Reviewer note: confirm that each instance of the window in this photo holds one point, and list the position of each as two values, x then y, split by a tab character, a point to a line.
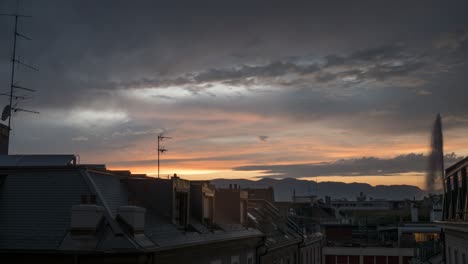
234	259
88	199
353	259
455	256
330	259
463	258
180	212
393	260
449	255
216	261
380	259
317	254
342	260
250	258
369	260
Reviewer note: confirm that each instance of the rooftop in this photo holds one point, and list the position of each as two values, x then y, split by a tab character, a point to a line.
37	193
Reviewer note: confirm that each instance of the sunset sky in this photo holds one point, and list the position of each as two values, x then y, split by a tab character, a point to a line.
339	90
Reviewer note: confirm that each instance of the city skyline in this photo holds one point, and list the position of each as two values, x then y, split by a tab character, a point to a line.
245	90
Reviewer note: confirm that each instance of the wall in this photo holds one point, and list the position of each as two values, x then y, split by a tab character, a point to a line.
155	194
456	246
227	206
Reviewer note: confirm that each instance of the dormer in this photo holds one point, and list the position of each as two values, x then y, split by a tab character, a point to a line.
202	202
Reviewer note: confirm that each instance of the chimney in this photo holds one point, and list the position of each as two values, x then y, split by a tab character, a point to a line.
85	218
134	217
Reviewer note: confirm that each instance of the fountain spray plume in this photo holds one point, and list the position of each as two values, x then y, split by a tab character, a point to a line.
434	177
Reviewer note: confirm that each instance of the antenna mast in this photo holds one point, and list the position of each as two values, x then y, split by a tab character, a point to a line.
161	149
13	97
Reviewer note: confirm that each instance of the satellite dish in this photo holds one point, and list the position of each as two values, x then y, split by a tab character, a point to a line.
6	112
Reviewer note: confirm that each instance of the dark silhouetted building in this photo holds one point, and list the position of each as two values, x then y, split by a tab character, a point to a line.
53	210
266	194
285	242
455	212
231	205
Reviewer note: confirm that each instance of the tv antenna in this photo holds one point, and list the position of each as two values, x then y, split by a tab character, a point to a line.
14	97
161	149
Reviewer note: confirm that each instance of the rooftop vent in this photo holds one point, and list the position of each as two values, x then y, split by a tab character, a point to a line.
134	217
85	218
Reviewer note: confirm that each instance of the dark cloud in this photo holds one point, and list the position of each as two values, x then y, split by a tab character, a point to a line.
351	66
366	166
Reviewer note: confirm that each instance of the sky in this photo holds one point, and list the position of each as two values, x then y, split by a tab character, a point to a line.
328	90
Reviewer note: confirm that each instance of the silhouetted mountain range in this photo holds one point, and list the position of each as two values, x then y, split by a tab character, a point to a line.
284	189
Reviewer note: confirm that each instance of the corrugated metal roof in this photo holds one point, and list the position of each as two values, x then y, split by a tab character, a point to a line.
114	192
275	228
35	208
35	212
166	235
36	160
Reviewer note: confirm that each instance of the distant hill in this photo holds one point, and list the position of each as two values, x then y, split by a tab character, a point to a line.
284	189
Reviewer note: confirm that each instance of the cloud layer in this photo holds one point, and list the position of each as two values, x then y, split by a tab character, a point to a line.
365	166
243	84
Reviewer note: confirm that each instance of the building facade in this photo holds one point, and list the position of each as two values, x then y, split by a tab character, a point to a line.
455	213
